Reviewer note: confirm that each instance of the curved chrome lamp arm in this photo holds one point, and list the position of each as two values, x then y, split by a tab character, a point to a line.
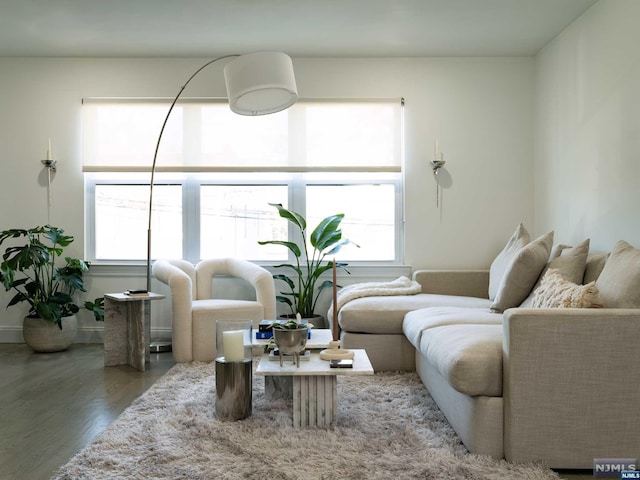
257	83
155	159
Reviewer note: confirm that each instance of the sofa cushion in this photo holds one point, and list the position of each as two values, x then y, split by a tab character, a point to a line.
619	282
468	356
570	263
499	266
384	315
556	292
420	320
522	273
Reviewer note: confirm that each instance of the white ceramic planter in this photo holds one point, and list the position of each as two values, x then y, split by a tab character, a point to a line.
43	336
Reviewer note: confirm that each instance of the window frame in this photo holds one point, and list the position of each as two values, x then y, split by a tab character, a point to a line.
191	182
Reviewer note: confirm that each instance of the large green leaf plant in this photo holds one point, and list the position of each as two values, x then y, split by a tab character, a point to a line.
303	283
34	271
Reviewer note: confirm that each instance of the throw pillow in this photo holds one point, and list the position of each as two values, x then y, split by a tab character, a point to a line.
594	266
619	282
499	266
556	292
569	261
522	273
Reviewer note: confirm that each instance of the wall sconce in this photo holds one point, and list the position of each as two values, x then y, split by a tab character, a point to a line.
437	163
50	165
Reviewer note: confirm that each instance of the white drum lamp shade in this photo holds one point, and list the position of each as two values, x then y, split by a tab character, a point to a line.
260	83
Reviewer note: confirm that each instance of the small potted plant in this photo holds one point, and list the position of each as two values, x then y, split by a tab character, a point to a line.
290	337
303	278
33	270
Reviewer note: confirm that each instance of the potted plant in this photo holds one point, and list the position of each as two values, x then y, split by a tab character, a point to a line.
34	271
303	279
289	337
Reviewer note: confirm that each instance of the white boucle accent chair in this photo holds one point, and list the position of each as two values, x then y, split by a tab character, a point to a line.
194	309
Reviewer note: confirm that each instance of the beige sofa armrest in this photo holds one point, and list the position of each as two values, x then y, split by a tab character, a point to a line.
468	283
571	385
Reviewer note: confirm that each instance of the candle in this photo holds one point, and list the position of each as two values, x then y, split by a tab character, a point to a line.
49	150
335	304
233	345
437	148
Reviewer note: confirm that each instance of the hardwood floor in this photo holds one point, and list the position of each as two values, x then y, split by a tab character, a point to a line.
52	405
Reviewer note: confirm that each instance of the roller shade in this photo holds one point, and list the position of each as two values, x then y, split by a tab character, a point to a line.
203	135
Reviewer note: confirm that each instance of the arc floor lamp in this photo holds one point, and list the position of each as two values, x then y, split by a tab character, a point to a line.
257	83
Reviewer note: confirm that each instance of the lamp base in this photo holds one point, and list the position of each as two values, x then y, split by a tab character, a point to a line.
335	352
160	346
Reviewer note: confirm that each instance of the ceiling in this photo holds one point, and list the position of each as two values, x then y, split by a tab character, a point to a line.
301	28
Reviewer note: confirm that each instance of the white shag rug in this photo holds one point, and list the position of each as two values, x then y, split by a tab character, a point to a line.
388	428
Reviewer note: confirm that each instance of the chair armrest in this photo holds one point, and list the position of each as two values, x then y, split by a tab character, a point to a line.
570	379
468	283
181	296
259	278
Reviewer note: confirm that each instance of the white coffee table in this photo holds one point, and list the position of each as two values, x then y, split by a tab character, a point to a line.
315	400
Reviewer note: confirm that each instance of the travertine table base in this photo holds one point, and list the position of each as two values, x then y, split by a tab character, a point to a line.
314	386
127	329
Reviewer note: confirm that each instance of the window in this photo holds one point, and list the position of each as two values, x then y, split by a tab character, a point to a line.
217	172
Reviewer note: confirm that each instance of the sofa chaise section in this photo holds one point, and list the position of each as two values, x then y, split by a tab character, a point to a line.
376	323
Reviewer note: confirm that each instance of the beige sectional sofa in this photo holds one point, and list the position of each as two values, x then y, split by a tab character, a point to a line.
558	385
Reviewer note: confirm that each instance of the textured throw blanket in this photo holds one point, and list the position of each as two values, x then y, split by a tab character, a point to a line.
400	286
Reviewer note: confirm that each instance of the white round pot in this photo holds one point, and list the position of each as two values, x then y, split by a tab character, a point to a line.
44	336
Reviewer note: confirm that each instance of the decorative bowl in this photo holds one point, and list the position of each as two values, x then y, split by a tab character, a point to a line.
290	341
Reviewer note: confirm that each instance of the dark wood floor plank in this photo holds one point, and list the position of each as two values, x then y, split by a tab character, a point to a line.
52	405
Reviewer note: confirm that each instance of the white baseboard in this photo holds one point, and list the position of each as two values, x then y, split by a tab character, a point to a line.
11	335
85	334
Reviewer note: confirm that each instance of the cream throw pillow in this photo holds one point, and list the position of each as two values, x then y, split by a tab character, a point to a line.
595	265
556	292
499	266
569	261
522	273
619	282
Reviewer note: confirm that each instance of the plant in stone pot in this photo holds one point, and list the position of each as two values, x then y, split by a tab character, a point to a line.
303	278
33	267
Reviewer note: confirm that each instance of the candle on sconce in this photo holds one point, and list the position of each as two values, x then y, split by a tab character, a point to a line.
49	150
335	304
233	345
437	148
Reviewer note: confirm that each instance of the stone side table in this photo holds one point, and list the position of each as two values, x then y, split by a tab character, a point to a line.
127	329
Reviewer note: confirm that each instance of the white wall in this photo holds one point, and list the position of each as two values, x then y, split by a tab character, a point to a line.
587	147
480	109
